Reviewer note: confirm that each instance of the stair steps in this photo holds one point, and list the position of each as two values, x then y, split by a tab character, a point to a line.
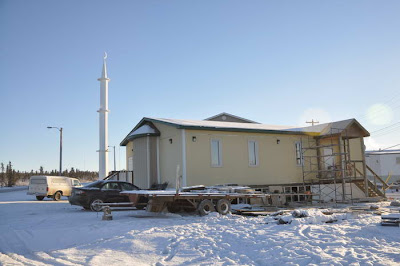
372	190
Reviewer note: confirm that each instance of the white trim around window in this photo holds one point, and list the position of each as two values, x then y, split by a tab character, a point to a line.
252	147
216	152
298	153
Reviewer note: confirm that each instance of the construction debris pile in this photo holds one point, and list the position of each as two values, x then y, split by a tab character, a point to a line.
389	212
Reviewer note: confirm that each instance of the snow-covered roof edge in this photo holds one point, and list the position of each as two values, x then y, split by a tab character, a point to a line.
141	130
318	130
382	152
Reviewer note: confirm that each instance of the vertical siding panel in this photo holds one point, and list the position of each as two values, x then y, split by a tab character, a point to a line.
140	162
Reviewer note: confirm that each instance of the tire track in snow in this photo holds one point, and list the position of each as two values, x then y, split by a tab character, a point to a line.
304	231
46	257
12	240
22	260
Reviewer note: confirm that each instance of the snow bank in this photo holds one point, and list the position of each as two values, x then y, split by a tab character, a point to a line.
55	233
308	216
10	189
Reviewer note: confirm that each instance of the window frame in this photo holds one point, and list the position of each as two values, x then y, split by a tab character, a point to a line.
219	152
128	184
301	158
256	153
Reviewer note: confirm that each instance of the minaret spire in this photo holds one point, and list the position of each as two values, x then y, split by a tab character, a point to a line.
103	121
104	71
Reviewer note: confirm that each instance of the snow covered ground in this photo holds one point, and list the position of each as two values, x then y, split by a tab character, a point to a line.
56	233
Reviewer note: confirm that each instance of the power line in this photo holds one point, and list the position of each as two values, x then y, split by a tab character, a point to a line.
363	116
385	127
387	132
390	147
376	113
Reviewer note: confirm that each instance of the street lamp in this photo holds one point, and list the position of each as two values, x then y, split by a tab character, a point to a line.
61	130
114	157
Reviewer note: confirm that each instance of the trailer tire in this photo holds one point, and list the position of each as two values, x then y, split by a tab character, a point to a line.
205	207
39	197
57	196
223	206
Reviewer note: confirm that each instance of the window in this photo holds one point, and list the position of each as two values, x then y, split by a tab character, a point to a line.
126	186
95	184
216	151
299	156
38	181
58	181
111	185
397	160
253	153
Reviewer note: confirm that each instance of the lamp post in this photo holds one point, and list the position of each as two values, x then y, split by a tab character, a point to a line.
61	130
114	157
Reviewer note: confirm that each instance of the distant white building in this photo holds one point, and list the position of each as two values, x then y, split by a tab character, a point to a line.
384	163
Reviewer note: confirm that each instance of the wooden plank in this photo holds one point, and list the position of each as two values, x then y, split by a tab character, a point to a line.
377	176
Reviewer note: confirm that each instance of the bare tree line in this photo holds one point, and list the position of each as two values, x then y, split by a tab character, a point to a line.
9	176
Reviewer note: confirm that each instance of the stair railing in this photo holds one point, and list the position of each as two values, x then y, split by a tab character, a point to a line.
372	185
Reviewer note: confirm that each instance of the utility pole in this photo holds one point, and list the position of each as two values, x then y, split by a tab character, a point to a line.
61	130
312	122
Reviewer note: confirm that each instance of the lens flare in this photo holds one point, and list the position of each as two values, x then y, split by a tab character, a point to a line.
379	114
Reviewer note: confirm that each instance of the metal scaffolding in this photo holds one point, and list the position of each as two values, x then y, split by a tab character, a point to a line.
326	166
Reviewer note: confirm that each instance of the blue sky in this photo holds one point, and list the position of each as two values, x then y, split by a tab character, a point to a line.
275	62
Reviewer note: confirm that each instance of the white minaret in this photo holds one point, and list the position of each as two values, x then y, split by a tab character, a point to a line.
103	122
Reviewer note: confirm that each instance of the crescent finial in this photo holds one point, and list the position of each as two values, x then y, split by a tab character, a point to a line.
105	56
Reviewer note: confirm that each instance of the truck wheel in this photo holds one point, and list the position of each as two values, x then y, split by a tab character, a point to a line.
57	196
223	206
39	197
205	207
94	207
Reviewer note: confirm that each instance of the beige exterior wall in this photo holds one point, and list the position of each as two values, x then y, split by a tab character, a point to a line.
356	154
355	149
277	162
170	154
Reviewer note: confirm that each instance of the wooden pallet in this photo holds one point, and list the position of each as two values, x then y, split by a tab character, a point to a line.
392	219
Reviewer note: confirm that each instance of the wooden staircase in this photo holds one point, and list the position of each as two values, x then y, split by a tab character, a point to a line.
373	191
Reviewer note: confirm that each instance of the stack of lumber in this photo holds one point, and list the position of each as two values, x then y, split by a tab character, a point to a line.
392	219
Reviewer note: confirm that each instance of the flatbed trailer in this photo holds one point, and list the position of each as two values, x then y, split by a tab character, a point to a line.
200	201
